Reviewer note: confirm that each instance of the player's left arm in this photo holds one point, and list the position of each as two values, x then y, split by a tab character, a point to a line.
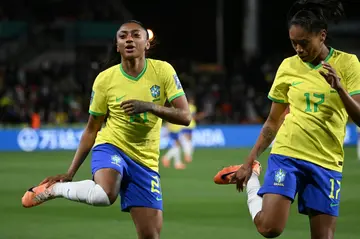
351	95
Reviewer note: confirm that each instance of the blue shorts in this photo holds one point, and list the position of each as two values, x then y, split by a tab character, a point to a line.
187	131
174	136
318	187
140	186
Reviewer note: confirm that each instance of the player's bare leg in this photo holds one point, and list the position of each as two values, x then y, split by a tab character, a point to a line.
188	148
270	212
322	226
110	180
103	191
174	152
271	220
148	222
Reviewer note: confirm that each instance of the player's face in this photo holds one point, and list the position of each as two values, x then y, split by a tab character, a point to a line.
131	40
307	45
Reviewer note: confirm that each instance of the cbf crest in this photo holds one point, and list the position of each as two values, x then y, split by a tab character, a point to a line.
155	92
279	177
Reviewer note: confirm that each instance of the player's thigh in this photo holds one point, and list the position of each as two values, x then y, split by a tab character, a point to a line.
108	167
148	222
322	226
188	135
274	214
281	183
110	180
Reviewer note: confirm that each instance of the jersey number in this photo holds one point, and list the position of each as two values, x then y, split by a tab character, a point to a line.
155	185
334	194
137	118
321	98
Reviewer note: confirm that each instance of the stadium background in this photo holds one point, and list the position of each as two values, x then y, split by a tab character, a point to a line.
226	54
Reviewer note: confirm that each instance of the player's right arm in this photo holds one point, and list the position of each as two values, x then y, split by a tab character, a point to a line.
86	143
268	131
97	110
278	94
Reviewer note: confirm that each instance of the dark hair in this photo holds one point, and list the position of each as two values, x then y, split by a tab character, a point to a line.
114	57
314	15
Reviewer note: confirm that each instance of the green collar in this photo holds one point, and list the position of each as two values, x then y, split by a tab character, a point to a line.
326	60
131	77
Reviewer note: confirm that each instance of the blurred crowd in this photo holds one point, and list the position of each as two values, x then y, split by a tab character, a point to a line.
56	92
59	93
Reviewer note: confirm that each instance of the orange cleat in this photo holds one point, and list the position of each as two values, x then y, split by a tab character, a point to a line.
224	175
36	195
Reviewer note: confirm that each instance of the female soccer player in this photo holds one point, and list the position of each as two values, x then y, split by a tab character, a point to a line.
322	87
174	151
187	131
125	153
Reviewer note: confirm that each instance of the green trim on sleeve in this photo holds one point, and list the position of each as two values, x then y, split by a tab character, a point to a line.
176	96
95	114
276	100
356	92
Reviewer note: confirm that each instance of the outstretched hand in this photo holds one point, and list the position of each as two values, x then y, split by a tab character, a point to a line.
242	176
55	179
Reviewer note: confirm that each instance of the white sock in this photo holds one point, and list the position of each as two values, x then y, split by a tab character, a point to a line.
177	156
254	201
170	153
188	147
83	191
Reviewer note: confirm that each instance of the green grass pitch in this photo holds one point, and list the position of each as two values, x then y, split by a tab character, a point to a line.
194	207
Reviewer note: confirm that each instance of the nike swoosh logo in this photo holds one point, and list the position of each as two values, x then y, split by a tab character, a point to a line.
225	175
334	204
296	83
158	199
119	98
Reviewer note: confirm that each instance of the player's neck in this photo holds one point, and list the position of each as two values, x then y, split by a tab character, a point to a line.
133	67
322	56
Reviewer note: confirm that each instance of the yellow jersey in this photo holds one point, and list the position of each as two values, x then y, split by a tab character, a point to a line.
314	129
174	128
193	111
137	136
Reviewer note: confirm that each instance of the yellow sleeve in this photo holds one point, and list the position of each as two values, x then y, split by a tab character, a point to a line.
352	76
173	88
279	88
98	102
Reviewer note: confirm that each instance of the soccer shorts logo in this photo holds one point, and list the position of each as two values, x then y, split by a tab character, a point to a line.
279	177
115	159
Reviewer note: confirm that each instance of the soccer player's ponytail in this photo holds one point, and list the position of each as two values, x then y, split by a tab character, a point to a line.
314	15
113	58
